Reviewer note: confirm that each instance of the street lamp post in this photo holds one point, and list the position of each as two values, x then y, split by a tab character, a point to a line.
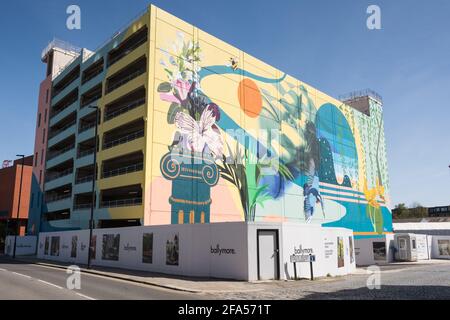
91	221
18	205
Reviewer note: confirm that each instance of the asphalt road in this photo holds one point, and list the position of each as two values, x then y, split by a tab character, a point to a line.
20	280
30	281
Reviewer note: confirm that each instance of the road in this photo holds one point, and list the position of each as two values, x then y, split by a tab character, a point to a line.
31	281
20	280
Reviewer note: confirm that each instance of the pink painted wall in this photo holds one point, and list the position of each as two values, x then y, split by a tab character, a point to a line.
40	143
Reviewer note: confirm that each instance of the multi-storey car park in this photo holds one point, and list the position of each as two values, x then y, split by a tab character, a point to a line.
162	85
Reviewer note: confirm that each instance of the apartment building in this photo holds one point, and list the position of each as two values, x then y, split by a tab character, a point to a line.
15	185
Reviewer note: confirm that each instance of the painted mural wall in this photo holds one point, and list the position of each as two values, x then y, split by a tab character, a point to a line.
230	138
235	139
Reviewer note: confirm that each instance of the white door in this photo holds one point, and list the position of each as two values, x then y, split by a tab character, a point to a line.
402	249
268	254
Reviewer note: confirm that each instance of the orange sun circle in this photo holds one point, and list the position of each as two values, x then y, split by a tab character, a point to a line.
250	98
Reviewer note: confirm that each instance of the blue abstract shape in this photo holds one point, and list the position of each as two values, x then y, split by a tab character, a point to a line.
221	69
337	146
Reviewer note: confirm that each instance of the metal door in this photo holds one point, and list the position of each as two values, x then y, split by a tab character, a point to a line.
268	254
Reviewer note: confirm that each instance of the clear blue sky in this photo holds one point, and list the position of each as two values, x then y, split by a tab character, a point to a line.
322	42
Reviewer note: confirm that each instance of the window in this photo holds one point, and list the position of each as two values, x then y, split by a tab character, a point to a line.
45	116
413	244
46	97
35	159
43	136
39	120
42	156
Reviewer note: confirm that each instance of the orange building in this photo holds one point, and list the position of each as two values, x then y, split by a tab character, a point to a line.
9	196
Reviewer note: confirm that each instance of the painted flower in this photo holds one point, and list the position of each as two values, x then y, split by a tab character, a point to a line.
371	196
215	110
180	93
200	135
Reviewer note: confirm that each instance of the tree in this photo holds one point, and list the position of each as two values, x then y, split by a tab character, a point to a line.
400	211
416	210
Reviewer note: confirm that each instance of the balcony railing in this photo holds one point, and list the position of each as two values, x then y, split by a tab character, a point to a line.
90	100
57	197
59	152
122	110
92	75
66	172
128	51
68	83
84	179
54	133
86	127
121	203
54	112
82	206
85	153
123	170
125	139
124	80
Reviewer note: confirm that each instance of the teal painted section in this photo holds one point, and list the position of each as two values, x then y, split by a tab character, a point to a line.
68	69
220	69
59	182
62	135
35	209
72	86
55	119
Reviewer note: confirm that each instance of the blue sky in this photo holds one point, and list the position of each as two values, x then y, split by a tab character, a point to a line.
322	42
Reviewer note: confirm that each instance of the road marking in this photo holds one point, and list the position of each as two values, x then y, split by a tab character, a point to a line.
50	284
106	277
22	275
84	296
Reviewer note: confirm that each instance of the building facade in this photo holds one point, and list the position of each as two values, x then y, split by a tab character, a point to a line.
443	211
194	130
13	218
56	56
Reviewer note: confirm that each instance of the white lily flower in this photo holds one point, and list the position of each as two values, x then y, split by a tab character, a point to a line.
200	135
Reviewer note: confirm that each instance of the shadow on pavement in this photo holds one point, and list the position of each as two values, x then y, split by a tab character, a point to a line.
386	293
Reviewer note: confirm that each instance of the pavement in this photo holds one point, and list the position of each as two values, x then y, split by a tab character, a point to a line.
427	280
422	280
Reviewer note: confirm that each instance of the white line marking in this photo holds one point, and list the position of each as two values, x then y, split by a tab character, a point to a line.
84	296
22	275
50	284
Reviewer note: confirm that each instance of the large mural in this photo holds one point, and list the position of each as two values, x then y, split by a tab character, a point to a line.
246	142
